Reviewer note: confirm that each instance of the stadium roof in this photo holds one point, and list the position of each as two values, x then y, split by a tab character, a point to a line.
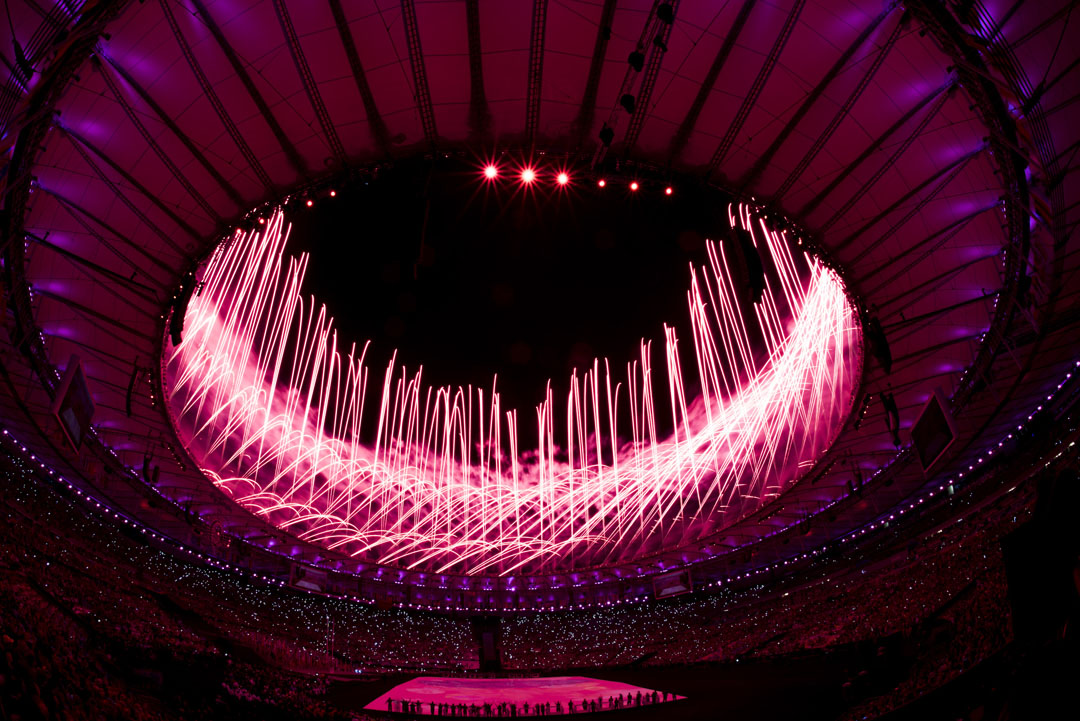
927	146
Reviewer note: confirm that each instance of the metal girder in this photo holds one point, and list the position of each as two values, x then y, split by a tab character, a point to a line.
183	137
834	124
311	87
949	171
80	214
682	135
864	188
942	236
375	120
249	85
587	110
15	89
755	90
164	157
78	142
1012	165
536	71
479	114
419	72
1038	29
849	168
812	97
652	69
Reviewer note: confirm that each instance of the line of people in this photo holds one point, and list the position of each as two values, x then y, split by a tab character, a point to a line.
545	708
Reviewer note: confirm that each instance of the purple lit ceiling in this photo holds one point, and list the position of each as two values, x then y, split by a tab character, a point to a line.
929	147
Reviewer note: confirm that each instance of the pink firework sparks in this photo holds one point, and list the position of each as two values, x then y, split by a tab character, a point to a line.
273	410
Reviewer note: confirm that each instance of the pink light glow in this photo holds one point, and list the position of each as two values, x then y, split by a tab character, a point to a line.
562	178
601	182
634	185
273	411
491	172
428	689
528	175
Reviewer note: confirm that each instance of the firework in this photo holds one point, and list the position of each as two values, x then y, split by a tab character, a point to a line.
392	470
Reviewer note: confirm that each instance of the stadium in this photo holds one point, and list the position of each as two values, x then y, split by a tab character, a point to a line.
370	359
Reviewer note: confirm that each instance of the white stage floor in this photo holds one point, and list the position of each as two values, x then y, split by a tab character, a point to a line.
556	689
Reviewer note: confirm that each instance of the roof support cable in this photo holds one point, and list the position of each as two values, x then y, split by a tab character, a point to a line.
184	138
938	238
812	97
949	172
311	87
164	157
536	72
118	281
898	153
375	120
752	95
871	149
845	109
587	109
420	82
212	96
682	135
80	143
932	283
87	311
80	215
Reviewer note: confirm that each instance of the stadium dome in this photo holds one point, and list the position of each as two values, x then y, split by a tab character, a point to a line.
758	281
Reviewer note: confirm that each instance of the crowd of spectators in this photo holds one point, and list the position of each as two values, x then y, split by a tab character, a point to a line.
60	664
90	614
86	633
857	602
294	694
48	671
81	559
978	627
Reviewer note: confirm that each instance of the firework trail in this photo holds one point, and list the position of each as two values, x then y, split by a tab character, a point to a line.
273	410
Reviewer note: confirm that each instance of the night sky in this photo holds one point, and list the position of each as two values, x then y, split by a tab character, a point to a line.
529	284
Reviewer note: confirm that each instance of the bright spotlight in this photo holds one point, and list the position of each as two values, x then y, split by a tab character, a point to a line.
668	190
563	178
333	193
634	185
528	175
491	172
310	203
602	182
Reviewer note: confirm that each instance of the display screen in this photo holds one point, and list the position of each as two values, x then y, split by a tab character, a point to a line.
672	584
933	432
73	406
